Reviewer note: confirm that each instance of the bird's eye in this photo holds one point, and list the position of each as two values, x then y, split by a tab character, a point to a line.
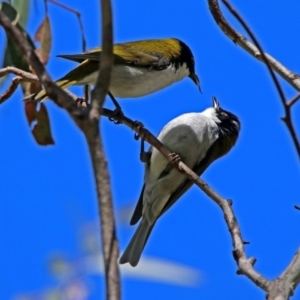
223	114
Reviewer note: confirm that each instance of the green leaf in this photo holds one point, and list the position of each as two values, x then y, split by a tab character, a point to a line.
22	6
12	55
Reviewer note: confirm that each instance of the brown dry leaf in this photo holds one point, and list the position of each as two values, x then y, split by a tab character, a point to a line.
41	130
43	35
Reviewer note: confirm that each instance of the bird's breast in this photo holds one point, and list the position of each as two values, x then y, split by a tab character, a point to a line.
131	82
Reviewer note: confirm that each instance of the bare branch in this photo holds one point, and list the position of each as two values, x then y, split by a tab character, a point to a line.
93	137
283	287
11	89
22	77
293	100
257	51
77	13
261	51
53	91
245	265
87	120
244	43
106	62
28	77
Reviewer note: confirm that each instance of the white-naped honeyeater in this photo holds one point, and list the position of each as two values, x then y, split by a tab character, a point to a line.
199	139
140	68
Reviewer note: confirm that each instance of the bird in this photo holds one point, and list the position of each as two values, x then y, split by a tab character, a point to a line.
199	138
140	67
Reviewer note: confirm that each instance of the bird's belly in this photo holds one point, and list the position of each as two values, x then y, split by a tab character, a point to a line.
131	82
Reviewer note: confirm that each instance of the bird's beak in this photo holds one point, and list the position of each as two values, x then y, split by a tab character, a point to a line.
195	78
216	103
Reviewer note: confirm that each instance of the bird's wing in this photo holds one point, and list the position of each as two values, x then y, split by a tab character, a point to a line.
86	67
138	211
124	55
211	155
137	214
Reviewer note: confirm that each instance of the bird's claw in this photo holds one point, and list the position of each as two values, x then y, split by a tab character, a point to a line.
175	159
116	114
138	125
81	102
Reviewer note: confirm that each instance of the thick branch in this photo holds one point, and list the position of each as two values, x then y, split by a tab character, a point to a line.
283	287
87	120
93	136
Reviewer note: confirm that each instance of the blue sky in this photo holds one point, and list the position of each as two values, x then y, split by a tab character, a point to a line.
48	200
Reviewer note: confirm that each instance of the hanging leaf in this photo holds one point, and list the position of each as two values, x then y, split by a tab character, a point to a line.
43	35
41	129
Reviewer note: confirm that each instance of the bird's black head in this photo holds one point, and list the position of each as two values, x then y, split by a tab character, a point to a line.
228	123
186	56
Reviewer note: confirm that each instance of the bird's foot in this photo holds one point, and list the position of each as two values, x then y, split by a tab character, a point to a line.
116	115
81	102
138	126
175	159
144	156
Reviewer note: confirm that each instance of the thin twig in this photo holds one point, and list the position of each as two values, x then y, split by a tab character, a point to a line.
29	77
288	117
22	77
77	13
261	51
244	43
291	102
11	89
258	53
54	92
283	286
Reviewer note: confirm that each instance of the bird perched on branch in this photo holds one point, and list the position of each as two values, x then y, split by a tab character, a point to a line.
140	68
199	139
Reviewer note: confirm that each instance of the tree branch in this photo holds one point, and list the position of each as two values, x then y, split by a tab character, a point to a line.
87	120
257	52
283	287
245	265
22	77
93	137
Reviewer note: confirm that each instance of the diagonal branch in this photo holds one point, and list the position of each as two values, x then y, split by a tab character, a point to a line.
245	264
257	51
289	76
22	77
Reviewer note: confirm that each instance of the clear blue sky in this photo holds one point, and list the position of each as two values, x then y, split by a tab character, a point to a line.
48	194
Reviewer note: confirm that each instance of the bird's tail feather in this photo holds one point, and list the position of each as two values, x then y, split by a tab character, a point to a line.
134	250
64	84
